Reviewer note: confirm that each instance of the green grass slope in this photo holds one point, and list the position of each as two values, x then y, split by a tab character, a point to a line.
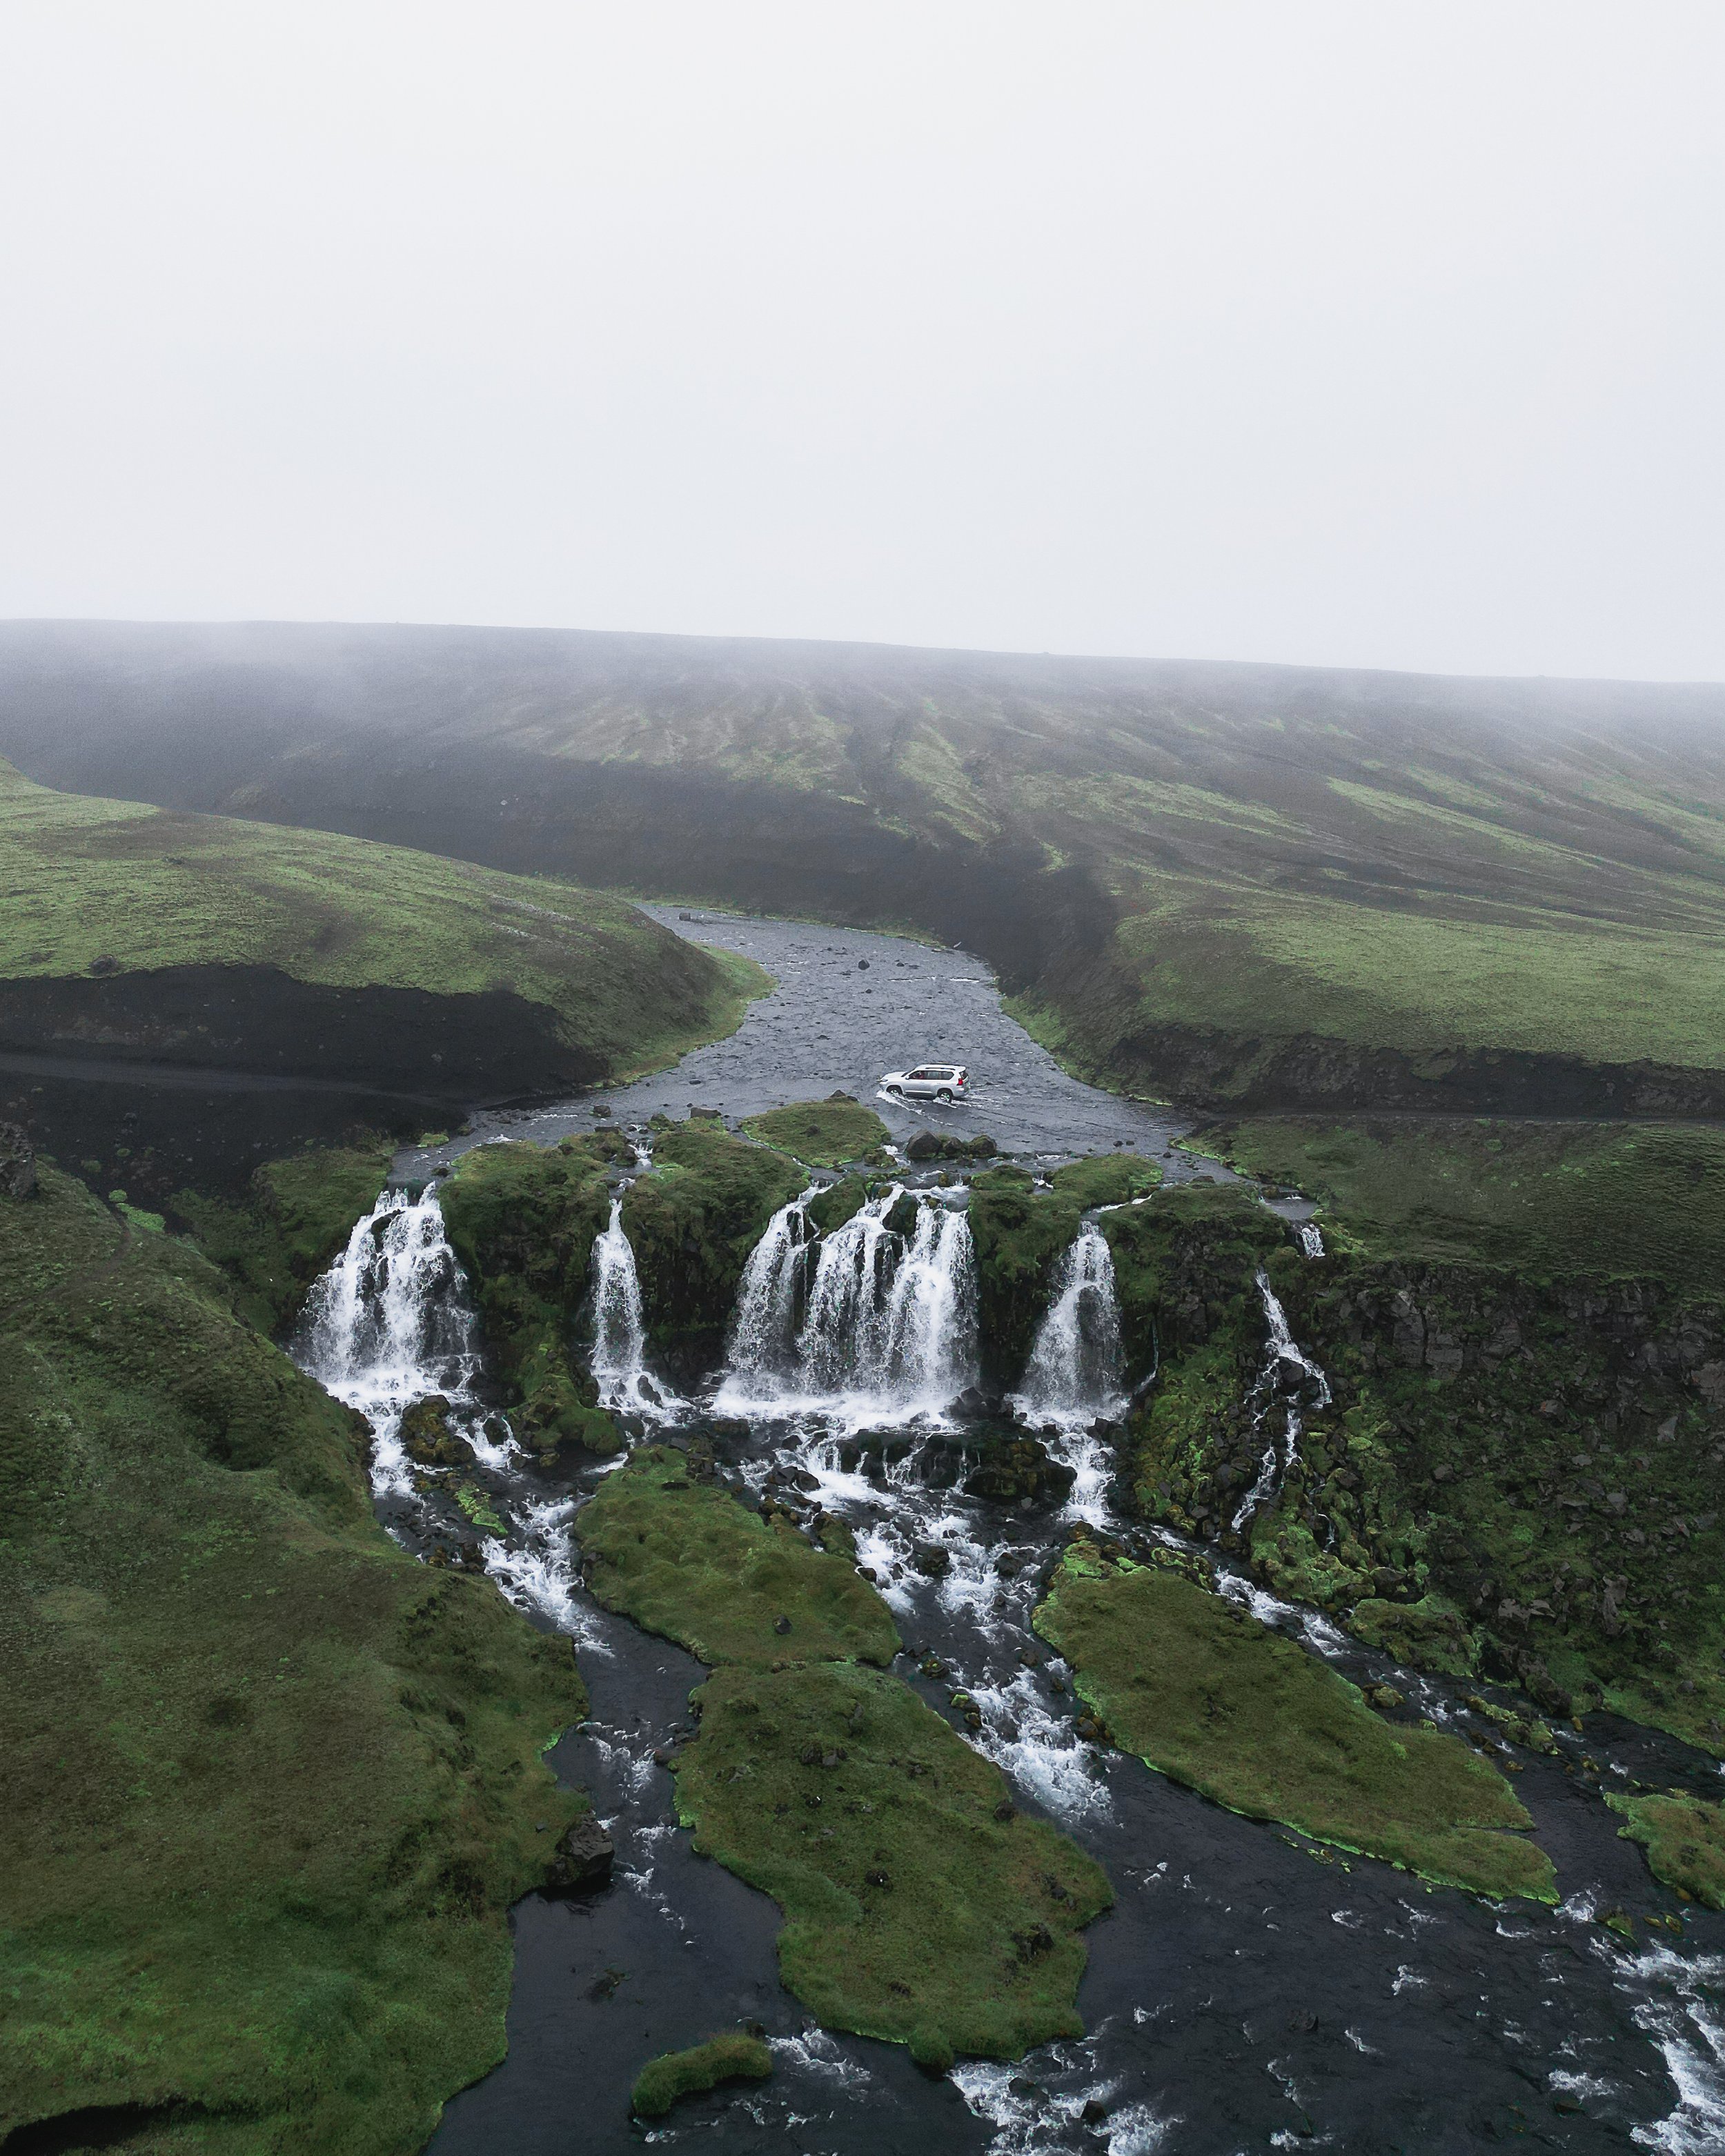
116	887
271	1786
1202	875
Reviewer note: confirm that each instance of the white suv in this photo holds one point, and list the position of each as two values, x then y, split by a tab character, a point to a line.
928	1082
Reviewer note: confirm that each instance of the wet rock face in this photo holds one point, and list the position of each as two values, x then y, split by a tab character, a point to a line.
582	1861
17	1163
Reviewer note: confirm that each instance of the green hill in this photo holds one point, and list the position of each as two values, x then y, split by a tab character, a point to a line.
1245	885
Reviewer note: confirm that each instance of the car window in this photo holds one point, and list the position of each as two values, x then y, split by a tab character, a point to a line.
915	1074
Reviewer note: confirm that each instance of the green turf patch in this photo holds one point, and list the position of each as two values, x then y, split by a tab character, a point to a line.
822	1133
1108	1178
735	2056
271	1786
685	1560
1643	1200
913	1911
1685	1840
919	1905
1205	1694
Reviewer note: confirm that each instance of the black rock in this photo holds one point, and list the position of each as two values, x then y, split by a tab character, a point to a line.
931	1559
781	1625
925	1145
581	1859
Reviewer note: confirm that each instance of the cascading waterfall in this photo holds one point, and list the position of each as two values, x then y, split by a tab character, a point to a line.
1311	1241
1074	1378
763	1331
889	1325
1286	1373
1075	1370
390	1322
618	1361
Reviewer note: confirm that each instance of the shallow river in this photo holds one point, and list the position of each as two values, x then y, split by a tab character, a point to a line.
1249	1989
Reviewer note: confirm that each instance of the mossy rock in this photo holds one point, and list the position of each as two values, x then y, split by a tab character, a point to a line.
1106	1179
1205	1693
427	1438
665	2080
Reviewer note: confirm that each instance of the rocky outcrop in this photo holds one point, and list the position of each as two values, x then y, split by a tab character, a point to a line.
582	1861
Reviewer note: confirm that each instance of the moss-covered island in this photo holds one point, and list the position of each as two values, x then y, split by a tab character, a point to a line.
665	2080
920	1907
1683	1837
1205	1693
271	1785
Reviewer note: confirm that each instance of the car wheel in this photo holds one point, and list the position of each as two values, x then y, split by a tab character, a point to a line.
896	1091
944	1095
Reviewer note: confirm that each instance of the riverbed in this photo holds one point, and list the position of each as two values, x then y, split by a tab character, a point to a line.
1250	1989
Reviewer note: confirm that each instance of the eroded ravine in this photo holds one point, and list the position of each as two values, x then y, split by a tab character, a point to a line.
1248	1988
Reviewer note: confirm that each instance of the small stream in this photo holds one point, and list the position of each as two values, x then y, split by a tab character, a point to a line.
1249	1989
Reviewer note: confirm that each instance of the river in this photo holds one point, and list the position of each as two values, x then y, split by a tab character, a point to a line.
1249	1989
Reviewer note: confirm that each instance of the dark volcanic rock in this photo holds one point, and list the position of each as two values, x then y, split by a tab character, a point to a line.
581	1859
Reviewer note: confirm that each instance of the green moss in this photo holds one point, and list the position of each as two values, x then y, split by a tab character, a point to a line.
913	1911
838	1202
822	1133
296	1218
686	1560
522	1220
88	879
1106	1179
1642	1200
1683	1837
1019	1235
919	1906
735	2056
692	1223
271	1786
1207	1695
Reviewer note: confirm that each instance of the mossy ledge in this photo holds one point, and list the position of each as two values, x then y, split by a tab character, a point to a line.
920	1907
1683	1837
1205	1694
665	2080
271	1785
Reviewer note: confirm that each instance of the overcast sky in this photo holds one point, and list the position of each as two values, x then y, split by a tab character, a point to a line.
1375	334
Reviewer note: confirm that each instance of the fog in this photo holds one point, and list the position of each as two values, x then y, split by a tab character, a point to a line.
1362	334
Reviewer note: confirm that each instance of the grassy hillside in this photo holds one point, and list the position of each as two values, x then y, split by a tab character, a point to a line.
111	887
1198	872
271	1786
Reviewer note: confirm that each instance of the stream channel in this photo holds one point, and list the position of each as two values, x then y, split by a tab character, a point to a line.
1249	1989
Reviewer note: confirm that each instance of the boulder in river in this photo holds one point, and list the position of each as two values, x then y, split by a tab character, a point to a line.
427	1438
581	1859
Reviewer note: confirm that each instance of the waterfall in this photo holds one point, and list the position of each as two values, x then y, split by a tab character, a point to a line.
1073	1372
1311	1241
1286	1372
389	1322
763	1331
619	1345
889	1325
1073	1378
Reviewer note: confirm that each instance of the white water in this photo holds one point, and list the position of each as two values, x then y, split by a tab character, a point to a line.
1312	1241
618	1361
885	1327
390	1322
1074	1378
1286	1372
